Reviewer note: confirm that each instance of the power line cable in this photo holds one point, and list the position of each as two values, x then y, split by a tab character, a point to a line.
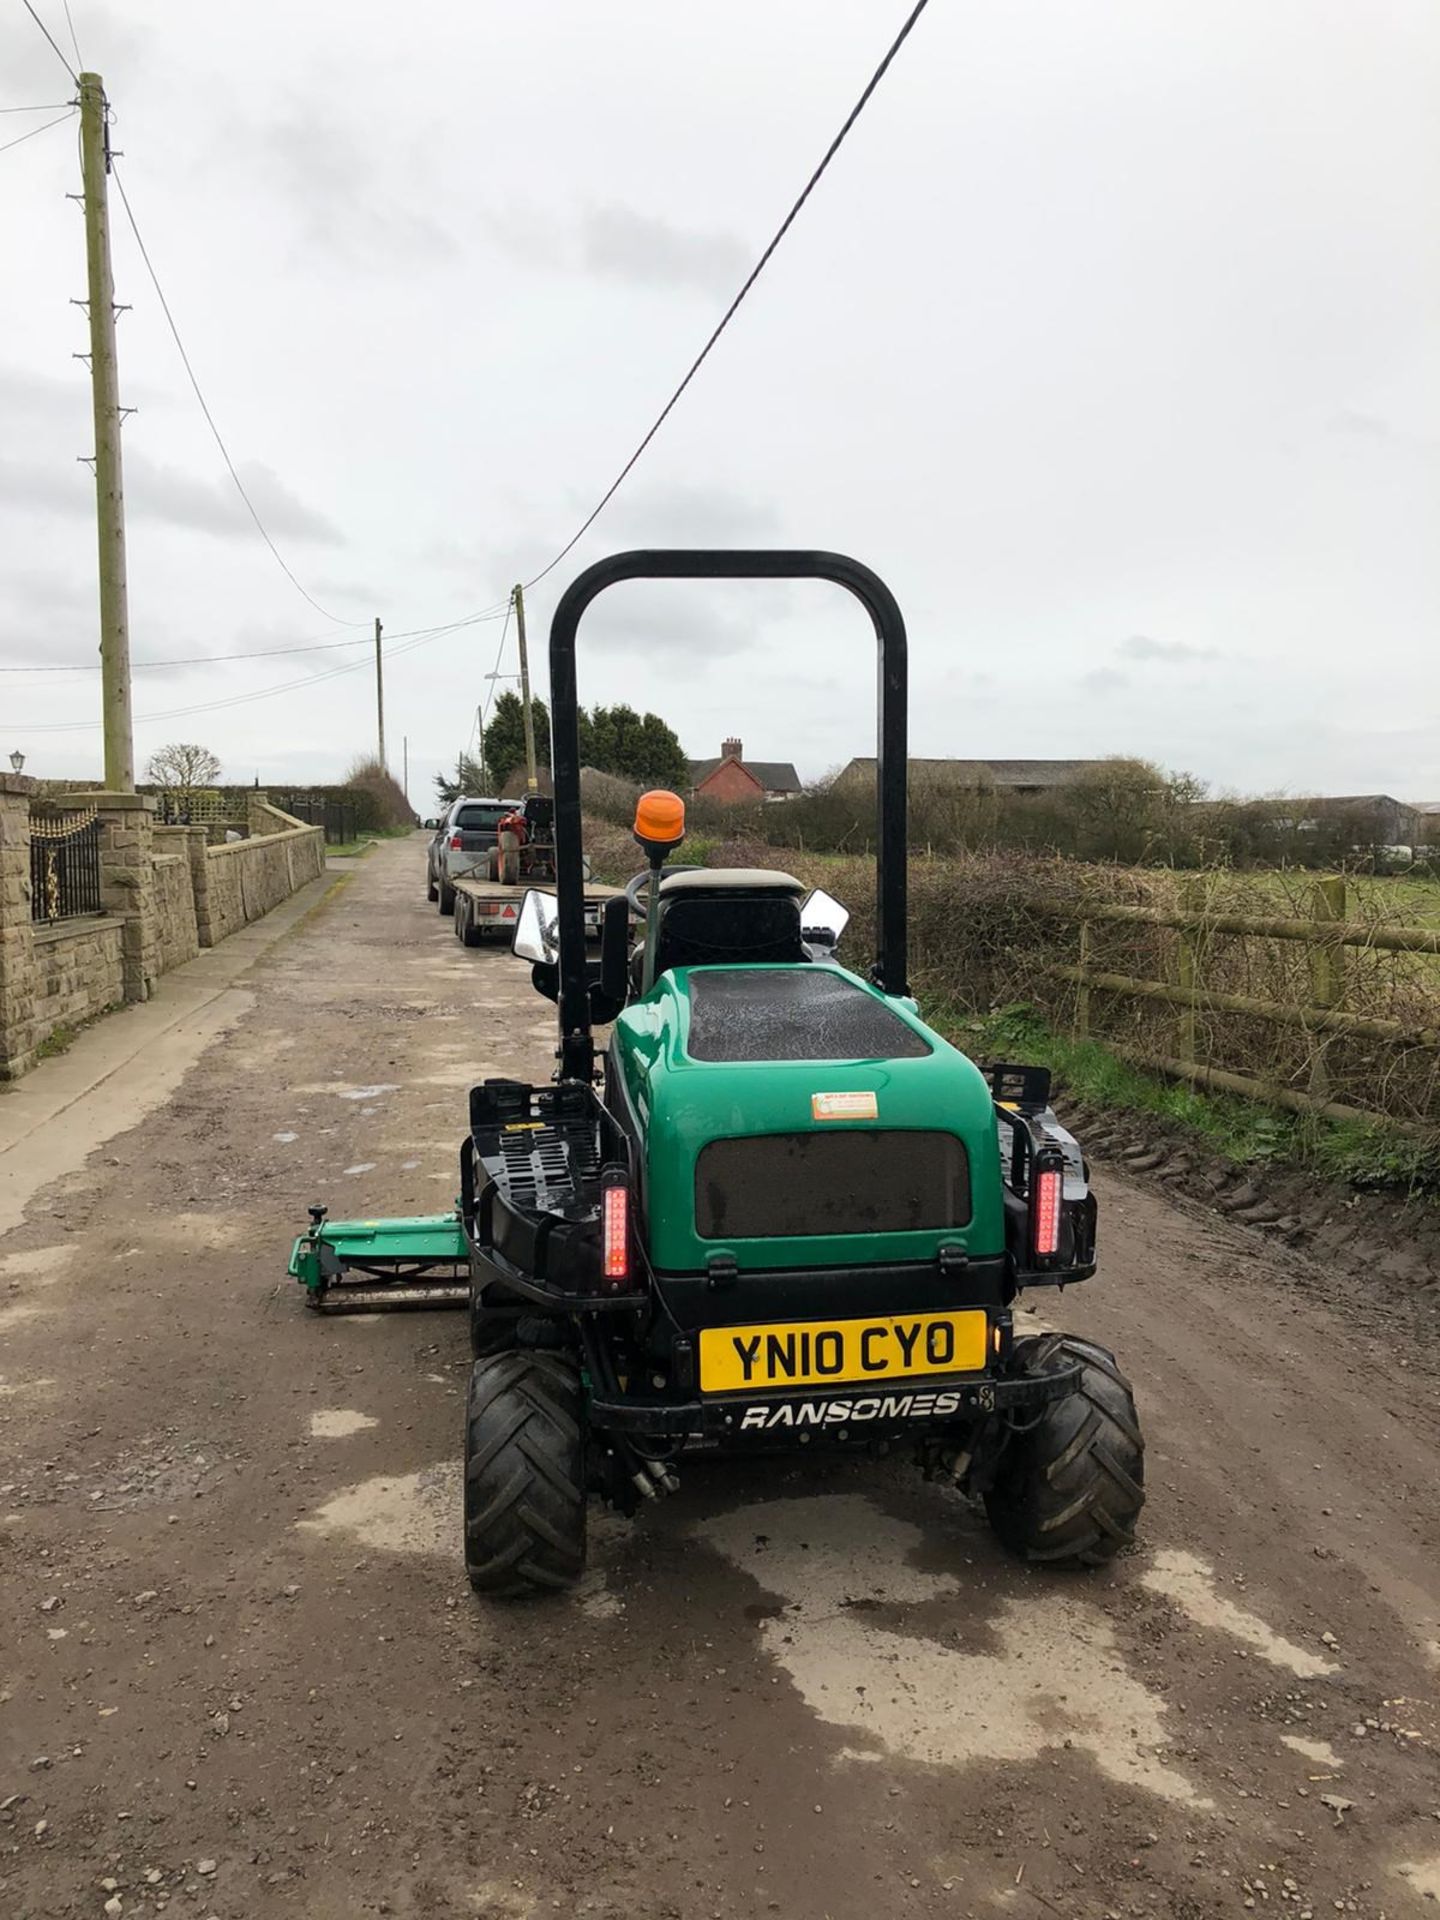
79	57
421	637
45	106
210	418
51	38
734	306
22	138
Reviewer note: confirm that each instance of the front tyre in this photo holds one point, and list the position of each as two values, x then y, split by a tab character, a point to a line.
524	1474
1070	1488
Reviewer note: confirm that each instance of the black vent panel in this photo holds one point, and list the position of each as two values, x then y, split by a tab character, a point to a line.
777	1186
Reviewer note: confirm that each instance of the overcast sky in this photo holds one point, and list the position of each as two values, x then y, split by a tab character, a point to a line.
1110	339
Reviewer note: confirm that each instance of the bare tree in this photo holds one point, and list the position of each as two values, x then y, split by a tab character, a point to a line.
182	769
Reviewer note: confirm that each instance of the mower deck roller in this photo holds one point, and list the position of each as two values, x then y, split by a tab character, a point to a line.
775	1211
364	1266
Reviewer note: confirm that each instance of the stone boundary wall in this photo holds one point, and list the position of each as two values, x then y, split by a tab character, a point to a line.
174	899
248	878
165	896
79	972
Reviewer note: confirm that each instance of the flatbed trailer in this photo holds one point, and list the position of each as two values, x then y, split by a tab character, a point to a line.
486	909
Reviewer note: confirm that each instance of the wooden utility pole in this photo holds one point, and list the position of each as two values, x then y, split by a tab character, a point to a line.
379	693
109	482
530	780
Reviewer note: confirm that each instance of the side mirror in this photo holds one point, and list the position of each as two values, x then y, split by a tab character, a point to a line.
823	920
537	932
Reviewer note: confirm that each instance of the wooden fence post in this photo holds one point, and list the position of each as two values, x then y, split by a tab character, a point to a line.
1327	973
1081	1026
1187	972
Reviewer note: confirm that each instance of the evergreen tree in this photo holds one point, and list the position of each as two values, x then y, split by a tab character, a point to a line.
505	741
640	748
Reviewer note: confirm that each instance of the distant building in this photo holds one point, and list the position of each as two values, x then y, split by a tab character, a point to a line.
1009	776
733	779
1369	819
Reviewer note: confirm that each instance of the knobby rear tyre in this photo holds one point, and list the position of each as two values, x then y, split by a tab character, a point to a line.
524	1474
1069	1489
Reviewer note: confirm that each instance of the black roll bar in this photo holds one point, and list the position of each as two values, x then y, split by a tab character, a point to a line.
577	1052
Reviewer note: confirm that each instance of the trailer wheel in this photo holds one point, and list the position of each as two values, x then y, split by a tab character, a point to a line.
1069	1489
524	1474
467	929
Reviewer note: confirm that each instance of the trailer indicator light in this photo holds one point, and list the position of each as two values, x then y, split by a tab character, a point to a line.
1048	1184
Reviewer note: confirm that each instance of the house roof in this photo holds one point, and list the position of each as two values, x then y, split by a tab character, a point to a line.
1362	800
999	773
775	776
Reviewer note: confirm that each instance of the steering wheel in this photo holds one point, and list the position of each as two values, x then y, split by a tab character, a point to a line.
636	889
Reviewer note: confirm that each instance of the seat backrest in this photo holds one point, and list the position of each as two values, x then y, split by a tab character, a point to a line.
728	928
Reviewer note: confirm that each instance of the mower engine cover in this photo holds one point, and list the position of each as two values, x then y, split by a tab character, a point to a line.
794	1116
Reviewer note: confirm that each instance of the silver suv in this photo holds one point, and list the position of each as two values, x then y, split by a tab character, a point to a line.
460	846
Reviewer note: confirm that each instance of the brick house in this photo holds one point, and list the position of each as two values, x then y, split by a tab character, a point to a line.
734	780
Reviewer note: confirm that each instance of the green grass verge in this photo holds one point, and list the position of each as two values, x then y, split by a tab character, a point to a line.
1245	1132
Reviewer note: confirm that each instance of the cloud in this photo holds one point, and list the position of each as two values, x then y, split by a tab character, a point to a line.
1104	680
213	506
616	242
677	620
622	244
1366	426
345	203
1140	646
692	516
157	492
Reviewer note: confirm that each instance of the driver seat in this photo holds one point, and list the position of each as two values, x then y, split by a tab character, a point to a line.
729	917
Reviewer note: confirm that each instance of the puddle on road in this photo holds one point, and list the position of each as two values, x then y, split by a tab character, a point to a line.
1055	1675
1319	1752
1190	1584
338	1423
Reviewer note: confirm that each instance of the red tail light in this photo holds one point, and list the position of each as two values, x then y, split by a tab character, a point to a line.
455	843
615	1237
1049	1183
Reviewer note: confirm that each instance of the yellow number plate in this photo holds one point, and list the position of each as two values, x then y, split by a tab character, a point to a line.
829	1352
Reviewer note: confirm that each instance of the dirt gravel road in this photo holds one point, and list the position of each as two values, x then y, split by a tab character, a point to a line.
242	1675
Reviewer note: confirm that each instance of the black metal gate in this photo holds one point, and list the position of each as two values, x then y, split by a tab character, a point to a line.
64	864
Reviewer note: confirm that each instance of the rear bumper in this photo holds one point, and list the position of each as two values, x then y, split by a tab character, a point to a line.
839	1417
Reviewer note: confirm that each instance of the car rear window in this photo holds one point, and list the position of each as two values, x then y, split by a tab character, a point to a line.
475	818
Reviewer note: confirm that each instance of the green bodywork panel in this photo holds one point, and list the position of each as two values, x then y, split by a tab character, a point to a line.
427	1237
683	1103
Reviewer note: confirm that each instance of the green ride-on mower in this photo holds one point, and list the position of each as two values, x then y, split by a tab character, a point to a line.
777	1211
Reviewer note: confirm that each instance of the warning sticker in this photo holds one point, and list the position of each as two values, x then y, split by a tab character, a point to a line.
844	1106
